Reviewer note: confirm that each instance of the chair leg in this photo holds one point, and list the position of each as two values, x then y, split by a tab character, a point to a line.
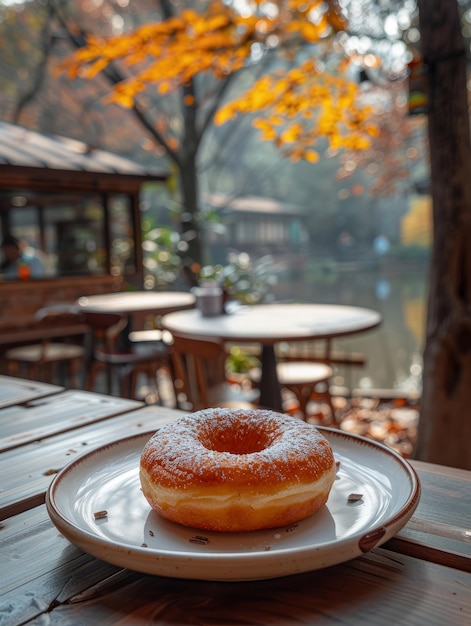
325	396
74	368
331	406
303	394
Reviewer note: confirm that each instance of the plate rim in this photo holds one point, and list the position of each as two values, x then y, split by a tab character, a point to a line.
366	541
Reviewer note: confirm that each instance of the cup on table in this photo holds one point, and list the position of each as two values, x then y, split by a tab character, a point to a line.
209	300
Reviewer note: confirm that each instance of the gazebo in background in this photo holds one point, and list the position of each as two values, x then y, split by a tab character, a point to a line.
78	209
260	226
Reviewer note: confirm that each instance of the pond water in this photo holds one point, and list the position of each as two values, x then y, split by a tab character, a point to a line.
399	292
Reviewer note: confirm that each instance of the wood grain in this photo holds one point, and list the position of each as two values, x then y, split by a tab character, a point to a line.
48	575
27	471
440	530
55	414
18	390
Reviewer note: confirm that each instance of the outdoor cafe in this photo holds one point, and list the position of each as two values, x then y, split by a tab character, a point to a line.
80	542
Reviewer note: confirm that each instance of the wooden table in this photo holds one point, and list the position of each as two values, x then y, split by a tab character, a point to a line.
422	577
17	390
273	323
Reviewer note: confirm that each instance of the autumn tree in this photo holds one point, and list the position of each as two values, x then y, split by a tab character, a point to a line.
221	42
192	57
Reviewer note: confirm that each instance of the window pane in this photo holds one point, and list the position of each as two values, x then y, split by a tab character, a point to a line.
122	248
65	231
22	258
75	235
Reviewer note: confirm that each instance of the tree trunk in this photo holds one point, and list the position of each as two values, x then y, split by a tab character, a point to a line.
190	226
445	422
190	229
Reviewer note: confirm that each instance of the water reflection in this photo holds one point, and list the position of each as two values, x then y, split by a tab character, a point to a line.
398	292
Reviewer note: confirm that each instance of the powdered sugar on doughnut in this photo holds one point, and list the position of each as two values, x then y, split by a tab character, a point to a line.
221	446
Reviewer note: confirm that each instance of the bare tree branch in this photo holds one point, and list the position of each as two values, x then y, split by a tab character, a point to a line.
40	71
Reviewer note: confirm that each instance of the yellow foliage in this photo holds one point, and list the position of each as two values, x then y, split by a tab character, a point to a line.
265	128
416	225
223	115
291	134
310	32
311	155
299	106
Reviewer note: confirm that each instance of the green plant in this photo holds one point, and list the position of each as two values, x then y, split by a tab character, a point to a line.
239	361
162	263
242	279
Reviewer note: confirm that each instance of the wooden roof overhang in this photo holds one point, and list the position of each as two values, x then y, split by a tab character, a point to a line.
14	178
31	160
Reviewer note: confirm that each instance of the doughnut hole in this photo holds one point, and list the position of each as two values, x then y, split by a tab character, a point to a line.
243	439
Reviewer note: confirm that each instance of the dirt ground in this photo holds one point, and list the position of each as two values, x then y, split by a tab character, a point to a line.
393	422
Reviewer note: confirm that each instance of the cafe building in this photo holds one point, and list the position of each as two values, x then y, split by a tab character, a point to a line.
76	211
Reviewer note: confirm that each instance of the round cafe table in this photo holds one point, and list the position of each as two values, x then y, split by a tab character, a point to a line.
269	324
155	302
137	306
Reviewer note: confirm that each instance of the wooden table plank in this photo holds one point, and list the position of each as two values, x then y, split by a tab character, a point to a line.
40	565
49	416
45	575
26	472
19	390
442	520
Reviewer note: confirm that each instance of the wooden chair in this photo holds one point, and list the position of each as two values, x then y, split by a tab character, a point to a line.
123	360
199	377
62	329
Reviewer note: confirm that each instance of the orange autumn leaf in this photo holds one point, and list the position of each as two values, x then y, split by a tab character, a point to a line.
223	115
310	32
291	134
267	131
172	143
312	156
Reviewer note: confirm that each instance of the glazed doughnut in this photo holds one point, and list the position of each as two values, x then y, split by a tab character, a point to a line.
237	470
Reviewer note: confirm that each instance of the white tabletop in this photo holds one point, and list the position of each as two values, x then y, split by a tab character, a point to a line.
160	302
270	323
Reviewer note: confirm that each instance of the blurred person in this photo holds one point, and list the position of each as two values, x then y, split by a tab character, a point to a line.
18	262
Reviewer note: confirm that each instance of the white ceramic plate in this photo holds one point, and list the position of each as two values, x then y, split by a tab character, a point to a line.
133	536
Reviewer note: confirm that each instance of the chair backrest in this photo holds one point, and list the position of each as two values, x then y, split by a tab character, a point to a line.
198	364
105	327
60	321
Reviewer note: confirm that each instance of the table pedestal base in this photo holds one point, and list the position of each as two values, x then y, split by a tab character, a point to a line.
270	392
